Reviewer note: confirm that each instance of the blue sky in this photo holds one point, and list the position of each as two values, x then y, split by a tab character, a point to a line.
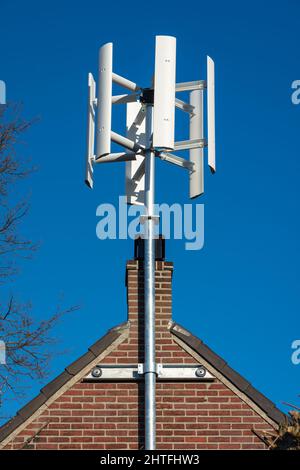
240	293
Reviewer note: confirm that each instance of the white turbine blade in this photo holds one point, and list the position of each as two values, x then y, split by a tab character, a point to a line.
90	131
211	114
196	154
104	100
164	93
135	170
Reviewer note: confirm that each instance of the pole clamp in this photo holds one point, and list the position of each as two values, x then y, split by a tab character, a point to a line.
144	219
158	369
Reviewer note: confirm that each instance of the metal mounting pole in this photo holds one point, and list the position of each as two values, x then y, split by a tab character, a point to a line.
149	289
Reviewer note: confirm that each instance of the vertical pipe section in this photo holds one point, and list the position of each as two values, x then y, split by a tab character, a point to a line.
149	286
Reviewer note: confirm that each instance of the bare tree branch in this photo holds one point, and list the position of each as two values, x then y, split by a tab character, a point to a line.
28	351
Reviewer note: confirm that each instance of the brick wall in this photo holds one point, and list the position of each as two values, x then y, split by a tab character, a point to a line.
110	415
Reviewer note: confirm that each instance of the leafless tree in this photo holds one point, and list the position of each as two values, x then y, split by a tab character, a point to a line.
12	169
26	341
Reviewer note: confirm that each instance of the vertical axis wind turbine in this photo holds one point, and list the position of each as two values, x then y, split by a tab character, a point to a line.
150	134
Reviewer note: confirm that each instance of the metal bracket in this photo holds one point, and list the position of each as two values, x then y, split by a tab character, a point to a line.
123	99
117	157
186	107
173	372
190	86
144	218
175	160
190	144
124	142
147	96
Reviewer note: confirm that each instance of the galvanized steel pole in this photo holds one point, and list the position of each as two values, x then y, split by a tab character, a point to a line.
149	290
